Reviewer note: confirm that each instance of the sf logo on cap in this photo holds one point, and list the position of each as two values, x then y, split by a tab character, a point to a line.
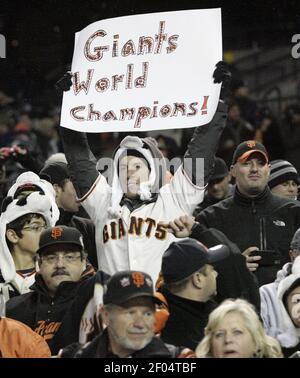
138	279
251	143
56	232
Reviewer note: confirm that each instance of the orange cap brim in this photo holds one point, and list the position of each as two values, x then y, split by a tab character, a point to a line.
245	156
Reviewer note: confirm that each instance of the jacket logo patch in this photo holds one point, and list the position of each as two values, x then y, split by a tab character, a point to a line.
279	223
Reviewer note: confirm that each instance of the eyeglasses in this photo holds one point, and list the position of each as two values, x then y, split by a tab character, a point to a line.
53	258
35	228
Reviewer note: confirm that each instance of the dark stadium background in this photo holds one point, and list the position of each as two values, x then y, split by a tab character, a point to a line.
40	34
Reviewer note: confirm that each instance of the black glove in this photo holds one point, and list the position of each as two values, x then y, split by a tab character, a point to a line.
222	75
64	83
22	155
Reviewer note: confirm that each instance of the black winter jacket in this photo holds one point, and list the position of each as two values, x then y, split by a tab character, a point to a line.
56	319
187	320
234	279
99	348
244	221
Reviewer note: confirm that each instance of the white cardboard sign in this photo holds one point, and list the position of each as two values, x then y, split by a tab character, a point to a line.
145	72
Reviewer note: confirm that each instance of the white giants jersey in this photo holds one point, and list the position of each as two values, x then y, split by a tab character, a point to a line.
136	240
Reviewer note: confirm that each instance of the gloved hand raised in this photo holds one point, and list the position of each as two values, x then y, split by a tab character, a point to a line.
222	75
64	83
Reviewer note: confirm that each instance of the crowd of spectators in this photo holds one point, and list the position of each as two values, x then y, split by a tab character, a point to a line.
80	261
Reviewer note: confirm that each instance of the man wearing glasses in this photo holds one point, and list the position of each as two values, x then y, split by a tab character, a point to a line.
64	286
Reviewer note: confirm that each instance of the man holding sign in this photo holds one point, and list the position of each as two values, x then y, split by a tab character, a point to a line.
130	214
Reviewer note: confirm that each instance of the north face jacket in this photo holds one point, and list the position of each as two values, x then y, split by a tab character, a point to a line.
247	221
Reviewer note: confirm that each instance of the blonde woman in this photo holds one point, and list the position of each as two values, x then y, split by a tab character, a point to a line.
235	331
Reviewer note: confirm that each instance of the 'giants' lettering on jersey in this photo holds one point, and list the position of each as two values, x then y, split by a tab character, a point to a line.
138	226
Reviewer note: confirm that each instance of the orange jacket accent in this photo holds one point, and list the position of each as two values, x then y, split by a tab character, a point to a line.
162	314
19	341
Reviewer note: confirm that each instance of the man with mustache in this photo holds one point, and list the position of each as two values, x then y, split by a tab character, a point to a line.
63	289
58	174
254	218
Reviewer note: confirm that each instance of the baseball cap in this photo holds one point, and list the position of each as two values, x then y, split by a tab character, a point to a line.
186	256
295	243
281	171
129	284
220	170
55	172
59	236
247	148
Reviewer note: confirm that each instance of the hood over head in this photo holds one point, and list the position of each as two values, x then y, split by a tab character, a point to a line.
147	147
28	179
289	335
34	203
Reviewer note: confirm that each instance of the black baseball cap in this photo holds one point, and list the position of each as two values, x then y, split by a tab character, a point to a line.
220	170
247	148
129	284
55	172
187	256
60	236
